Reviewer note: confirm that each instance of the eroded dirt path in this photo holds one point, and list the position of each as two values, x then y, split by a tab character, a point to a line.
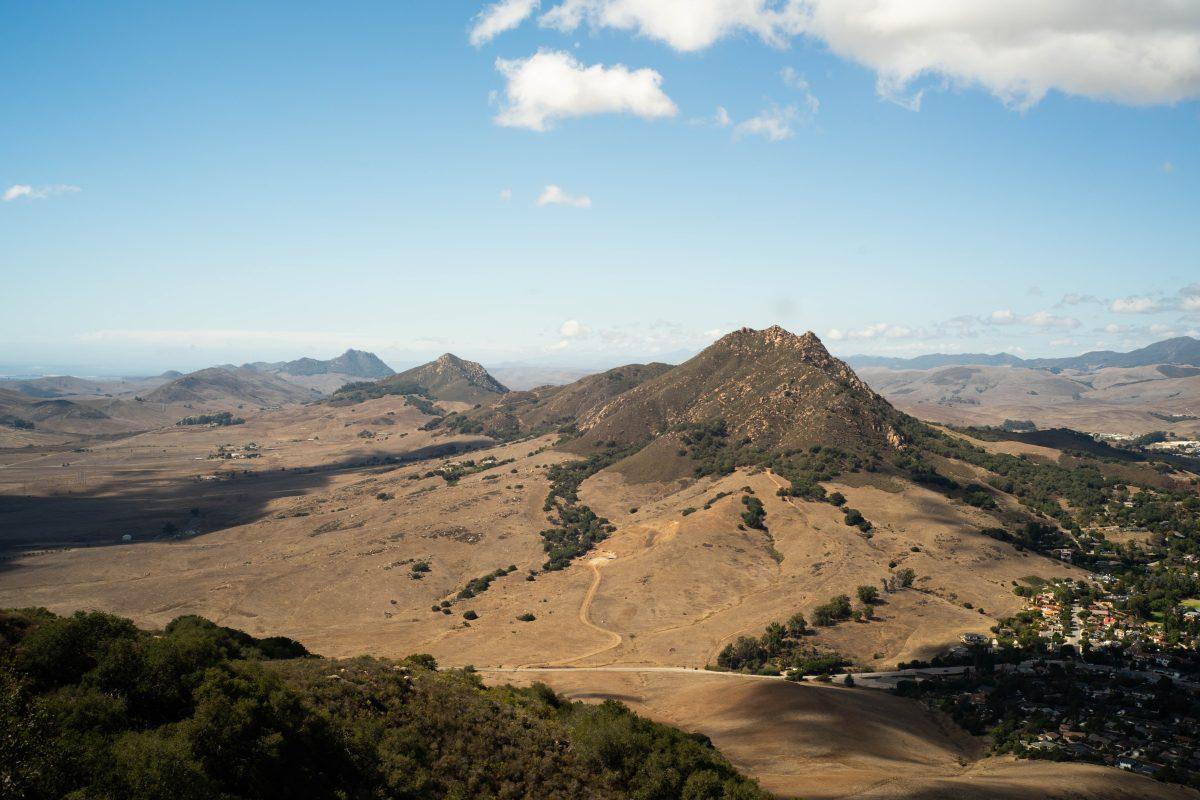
585	612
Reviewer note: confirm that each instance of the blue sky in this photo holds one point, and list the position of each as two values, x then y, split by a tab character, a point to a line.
188	184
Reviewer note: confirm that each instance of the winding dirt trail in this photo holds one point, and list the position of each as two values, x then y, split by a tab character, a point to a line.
585	613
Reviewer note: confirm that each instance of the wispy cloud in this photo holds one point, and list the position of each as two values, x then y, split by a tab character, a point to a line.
1135	305
500	17
555	196
1189	298
795	80
773	124
880	330
23	190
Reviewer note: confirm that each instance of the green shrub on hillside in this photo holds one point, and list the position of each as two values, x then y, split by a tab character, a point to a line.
92	707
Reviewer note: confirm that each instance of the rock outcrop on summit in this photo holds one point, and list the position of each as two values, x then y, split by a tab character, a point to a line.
770	387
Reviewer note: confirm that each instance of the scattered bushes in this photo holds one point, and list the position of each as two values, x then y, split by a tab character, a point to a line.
480	585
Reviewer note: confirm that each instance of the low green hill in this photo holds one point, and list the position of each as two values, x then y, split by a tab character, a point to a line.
92	707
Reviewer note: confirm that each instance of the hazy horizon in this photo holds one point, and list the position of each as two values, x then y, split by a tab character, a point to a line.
405	360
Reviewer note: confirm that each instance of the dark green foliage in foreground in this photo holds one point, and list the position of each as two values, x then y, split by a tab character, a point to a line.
219	419
91	707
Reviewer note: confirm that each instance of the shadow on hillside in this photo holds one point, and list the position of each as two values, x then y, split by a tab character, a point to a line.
151	508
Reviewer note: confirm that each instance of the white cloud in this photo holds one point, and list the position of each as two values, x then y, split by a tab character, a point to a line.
722	118
685	25
1137	52
1002	317
562	344
572	329
553	85
554	196
506	195
774	124
1135	305
500	17
19	190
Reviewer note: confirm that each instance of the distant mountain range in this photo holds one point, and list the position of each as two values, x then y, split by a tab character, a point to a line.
353	363
1183	350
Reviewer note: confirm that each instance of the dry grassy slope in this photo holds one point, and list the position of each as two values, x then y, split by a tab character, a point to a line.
559	404
451	378
221	387
778	389
676	591
822	743
549	407
321	565
1111	400
681	587
61	419
67	385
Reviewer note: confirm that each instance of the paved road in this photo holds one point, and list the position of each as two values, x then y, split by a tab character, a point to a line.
875	680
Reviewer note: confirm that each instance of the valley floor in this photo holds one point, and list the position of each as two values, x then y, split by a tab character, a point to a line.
316	540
